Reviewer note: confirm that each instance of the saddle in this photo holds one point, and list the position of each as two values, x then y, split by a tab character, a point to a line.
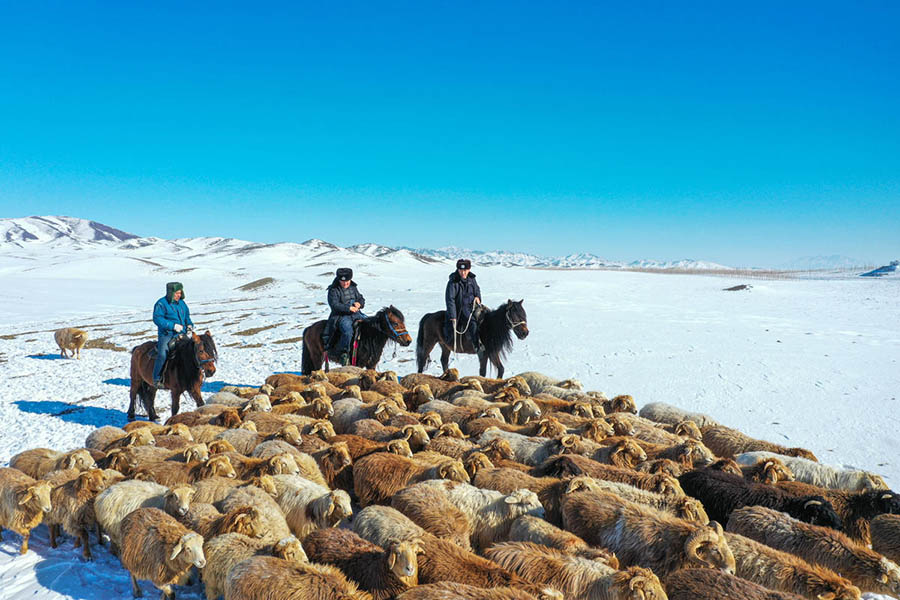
152	354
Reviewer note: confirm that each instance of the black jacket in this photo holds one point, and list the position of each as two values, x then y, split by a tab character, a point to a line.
340	300
460	295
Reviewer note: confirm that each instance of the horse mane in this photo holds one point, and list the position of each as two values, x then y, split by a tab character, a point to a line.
209	345
185	362
372	337
494	330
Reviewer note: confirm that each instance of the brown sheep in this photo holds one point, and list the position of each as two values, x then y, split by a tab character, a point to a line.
536	530
228	417
728	465
73	507
435	514
643	536
209	522
215	489
247	467
885	534
384	573
171	473
23	503
728	443
683	507
458	591
359	446
571	465
39	461
475	462
626	453
379	476
574	576
157	547
270	578
225	551
689	584
665	466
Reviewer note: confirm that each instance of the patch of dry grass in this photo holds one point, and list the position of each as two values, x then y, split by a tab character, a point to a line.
289	340
255	330
253	285
104	344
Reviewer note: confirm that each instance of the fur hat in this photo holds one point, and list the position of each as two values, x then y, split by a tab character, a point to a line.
344	274
171	288
464	263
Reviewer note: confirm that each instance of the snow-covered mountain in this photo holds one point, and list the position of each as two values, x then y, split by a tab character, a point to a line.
71	233
821	262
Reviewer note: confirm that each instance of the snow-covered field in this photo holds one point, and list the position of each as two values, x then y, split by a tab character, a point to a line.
804	363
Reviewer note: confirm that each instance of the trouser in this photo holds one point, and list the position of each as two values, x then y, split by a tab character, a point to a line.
345	326
162	351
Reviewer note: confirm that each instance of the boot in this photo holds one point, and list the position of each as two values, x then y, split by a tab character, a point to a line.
344	359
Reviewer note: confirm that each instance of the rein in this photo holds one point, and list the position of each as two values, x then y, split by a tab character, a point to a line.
396	333
513	325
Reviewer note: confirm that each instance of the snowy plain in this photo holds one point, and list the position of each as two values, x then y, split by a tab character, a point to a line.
811	363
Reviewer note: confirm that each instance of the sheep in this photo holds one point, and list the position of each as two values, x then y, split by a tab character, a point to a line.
671	415
868	570
359	446
136	456
688	453
574	576
787	573
770	470
855	509
247	467
275	525
271	578
814	473
536	530
306	465
491	513
210	414
623	403
619	452
683	507
457	414
662	465
39	461
384	573
434	513
73	507
215	489
348	410
112	504
440	560
885	534
451	446
225	551
107	438
728	465
244	438
70	338
642	536
379	476
528	450
371	429
159	548
516	412
548	427
722	493
538	383
268	423
689	584
23	503
458	591
317	408
219	447
206	520
570	465
307	505
170	473
727	442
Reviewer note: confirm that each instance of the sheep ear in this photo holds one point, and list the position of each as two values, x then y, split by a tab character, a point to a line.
27	497
826	596
392	558
517	406
812	503
883	578
176	550
511	499
379	409
887	496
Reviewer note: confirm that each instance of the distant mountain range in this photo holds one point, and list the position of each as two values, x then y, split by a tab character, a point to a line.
65	232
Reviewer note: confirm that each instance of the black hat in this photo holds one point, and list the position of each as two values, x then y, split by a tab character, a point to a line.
464	263
344	274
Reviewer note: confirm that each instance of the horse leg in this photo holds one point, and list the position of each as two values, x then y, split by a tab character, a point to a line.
133	393
495	360
445	358
195	393
423	352
176	400
482	365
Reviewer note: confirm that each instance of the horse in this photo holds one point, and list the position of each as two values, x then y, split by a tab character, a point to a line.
372	334
192	358
493	331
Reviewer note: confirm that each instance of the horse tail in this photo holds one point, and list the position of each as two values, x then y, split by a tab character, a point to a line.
147	395
306	364
421	358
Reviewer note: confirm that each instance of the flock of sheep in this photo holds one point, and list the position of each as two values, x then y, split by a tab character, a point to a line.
359	485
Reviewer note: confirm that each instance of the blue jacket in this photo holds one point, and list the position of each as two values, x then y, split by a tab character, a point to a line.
460	295
340	300
166	314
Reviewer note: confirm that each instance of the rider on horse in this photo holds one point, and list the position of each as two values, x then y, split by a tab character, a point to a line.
171	316
462	295
346	302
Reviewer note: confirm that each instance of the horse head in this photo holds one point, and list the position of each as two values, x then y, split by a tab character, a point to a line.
205	352
515	316
394	326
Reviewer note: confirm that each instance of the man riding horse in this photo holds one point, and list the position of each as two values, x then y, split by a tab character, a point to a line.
171	316
346	302
462	296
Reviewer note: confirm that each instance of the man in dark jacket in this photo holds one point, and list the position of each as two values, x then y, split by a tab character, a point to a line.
461	296
346	302
171	316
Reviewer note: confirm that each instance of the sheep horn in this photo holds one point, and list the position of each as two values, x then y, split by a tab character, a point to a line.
699	537
812	503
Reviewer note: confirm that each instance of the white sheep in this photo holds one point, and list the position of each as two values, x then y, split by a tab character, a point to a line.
308	505
275	526
528	450
672	415
118	500
37	462
815	473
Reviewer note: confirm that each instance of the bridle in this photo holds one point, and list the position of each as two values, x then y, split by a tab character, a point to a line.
513	325
397	333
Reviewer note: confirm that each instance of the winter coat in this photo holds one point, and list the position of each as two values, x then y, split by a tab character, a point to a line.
340	300
167	313
460	295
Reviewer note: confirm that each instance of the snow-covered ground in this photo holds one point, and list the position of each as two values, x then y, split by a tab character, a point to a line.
803	363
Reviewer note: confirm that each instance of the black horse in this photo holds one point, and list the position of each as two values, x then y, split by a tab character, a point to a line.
372	334
493	331
191	360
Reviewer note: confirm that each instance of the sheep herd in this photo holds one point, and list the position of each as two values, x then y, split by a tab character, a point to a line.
356	484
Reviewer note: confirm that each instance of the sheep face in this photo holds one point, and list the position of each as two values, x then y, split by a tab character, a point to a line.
841	589
453	471
774	471
178	500
450	430
415	435
259	403
322	408
140	437
584	410
550	428
818	511
339	455
322	428
249	522
389	376
266	389
623	403
492	413
318	375
524	411
727	465
598	430
688	429
666	485
698	454
691	509
522	502
707	548
290	434
431	419
179	429
229	418
520	384
888	502
267	484
80	459
451	374
627	454
477	461
384	410
198	452
400	447
219	447
338	507
282	464
291	550
91	480
352	391
221	466
889	575
189	549
662	465
621	424
403	561
874	482
637	583
422	394
37	497
499	448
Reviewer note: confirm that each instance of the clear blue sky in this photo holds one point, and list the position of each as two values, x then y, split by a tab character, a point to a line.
744	133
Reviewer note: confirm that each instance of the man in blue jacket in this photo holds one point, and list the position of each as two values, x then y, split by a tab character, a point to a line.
346	302
461	296
171	315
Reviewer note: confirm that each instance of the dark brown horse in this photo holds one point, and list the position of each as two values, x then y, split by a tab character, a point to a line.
191	360
374	332
493	331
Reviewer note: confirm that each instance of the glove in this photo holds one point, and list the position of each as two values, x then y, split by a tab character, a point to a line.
177	327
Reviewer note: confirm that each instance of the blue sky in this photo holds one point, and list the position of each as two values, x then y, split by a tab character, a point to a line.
747	134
